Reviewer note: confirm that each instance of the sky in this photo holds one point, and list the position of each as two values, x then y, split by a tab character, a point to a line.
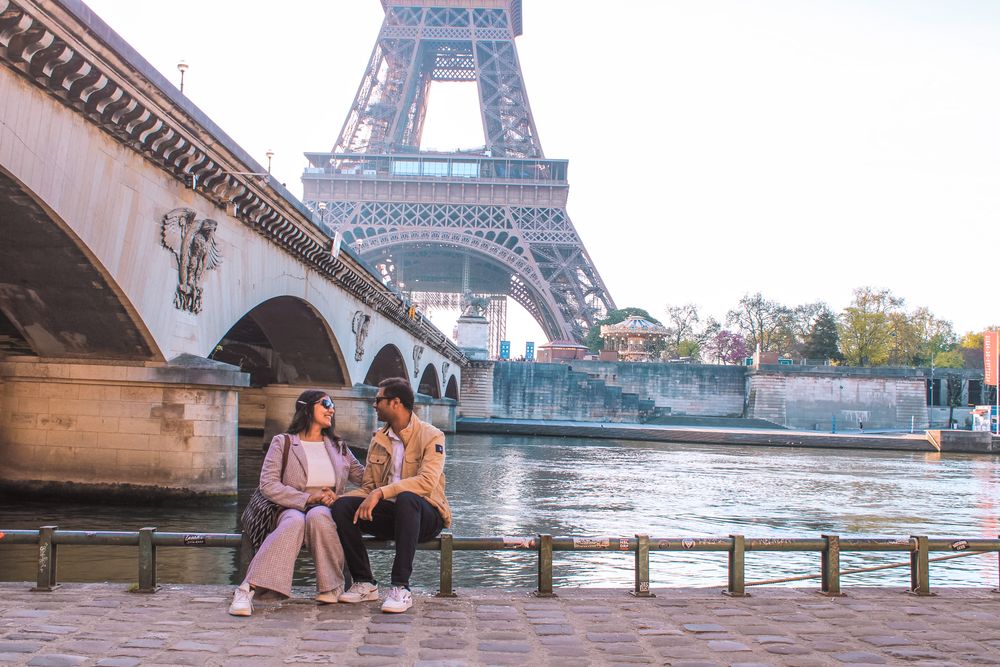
717	148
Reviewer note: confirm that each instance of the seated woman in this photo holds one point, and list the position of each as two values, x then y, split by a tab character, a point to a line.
318	468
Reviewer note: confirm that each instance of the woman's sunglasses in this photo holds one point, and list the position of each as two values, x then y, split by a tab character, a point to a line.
327	403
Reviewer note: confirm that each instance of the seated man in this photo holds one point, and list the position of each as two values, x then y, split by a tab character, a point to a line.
401	496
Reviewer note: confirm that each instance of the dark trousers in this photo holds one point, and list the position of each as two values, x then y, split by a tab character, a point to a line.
407	521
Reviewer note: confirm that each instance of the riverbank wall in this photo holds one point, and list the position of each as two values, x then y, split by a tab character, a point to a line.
815	398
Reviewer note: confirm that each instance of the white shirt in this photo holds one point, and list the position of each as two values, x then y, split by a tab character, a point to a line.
398	449
319	467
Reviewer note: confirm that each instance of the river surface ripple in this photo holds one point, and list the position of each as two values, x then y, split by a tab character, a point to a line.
522	486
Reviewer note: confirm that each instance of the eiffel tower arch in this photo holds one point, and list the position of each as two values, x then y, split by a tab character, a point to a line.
490	221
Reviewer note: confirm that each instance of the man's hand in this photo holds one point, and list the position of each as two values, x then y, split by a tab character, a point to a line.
368	506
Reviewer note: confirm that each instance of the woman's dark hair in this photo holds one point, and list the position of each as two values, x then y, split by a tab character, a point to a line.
302	419
398	388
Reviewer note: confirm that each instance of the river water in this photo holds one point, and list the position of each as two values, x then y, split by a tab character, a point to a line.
522	486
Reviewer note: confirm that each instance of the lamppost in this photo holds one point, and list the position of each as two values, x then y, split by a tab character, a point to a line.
182	67
269	154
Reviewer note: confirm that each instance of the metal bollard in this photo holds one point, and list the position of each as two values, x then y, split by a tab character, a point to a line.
920	576
445	587
46	560
830	561
737	568
544	567
147	561
641	589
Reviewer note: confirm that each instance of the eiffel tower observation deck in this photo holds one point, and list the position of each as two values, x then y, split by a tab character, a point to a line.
490	221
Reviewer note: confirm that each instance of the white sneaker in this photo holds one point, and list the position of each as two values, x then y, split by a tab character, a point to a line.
360	592
398	600
242	601
331	596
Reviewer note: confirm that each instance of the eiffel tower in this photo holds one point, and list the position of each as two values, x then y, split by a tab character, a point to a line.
490	221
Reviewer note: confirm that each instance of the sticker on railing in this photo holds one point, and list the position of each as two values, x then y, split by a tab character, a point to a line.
519	542
960	545
2	535
623	543
194	539
687	543
590	543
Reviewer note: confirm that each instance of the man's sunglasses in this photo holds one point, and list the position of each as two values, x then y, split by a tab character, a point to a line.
382	398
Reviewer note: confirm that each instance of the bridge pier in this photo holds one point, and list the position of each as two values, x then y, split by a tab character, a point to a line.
148	431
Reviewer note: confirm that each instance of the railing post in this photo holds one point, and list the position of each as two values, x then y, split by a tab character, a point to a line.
147	561
245	556
545	567
642	568
445	586
46	560
830	561
737	561
997	589
920	575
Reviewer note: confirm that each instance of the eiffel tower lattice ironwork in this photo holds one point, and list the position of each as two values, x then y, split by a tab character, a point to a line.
490	221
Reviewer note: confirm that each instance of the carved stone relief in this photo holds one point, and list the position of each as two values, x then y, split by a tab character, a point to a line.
418	351
359	325
444	373
193	244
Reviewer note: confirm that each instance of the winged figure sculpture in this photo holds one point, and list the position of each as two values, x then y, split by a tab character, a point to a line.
194	247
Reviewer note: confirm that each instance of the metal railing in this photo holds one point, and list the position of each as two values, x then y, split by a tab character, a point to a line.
829	547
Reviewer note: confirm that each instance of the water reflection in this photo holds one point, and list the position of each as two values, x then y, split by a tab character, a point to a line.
500	485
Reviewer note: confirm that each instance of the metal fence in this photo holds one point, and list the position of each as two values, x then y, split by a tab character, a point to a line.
829	548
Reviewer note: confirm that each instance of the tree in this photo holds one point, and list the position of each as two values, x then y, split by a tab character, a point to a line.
949	359
681	323
822	341
865	327
689	348
726	347
759	322
594	341
955	387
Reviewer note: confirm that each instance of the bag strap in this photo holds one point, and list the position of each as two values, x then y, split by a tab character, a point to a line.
284	455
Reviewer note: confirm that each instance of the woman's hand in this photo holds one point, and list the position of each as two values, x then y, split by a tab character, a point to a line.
324	496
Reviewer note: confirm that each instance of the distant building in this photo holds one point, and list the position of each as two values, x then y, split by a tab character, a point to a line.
635	339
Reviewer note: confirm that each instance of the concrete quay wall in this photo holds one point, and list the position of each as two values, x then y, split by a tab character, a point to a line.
795	397
819	401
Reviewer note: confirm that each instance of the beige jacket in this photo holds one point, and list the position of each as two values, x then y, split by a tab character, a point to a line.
423	466
289	491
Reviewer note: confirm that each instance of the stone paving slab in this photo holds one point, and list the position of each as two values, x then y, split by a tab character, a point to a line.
188	625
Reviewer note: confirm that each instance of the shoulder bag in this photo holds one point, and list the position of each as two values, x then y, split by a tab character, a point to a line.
261	515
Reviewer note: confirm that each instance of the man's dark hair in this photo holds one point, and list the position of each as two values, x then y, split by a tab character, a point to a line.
398	388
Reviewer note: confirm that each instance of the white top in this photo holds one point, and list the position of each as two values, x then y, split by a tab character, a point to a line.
397	456
319	467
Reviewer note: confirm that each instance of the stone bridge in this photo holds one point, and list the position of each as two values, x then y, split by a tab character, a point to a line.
158	290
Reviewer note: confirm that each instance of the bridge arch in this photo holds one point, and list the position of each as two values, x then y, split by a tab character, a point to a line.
51	287
387	363
429	383
452	390
284	340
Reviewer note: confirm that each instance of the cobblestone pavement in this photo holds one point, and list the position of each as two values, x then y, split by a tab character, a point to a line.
101	624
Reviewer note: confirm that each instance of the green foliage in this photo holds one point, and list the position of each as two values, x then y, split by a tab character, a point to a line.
822	340
689	348
865	327
949	359
593	340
